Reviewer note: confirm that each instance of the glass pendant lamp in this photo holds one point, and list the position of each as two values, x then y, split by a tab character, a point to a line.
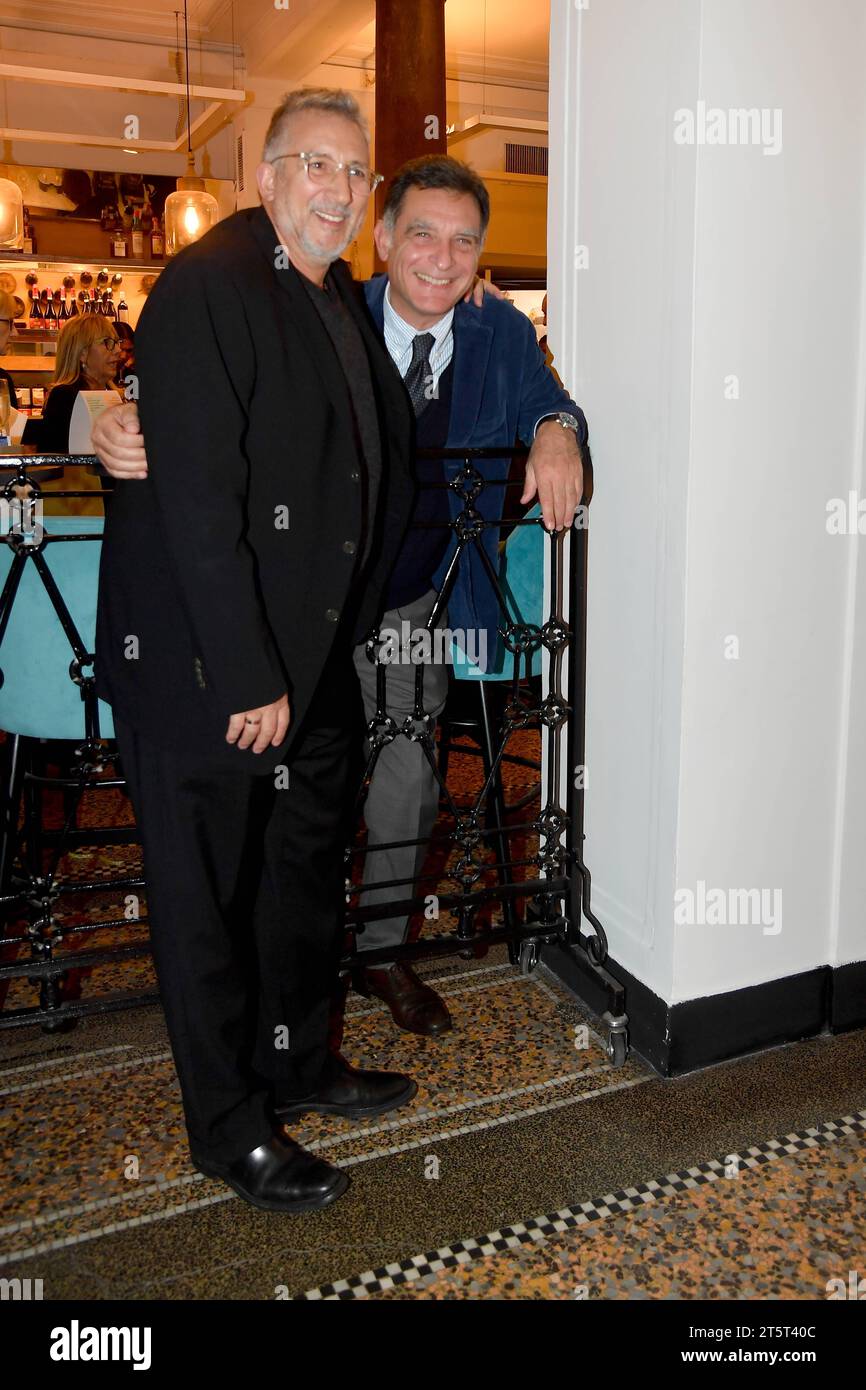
191	211
11	216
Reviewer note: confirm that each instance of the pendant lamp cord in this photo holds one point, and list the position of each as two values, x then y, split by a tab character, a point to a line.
186	68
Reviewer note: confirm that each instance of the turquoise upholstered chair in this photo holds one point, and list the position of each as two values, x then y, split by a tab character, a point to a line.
522	582
38	698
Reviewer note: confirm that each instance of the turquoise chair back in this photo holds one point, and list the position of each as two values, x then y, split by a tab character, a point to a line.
37	697
522	581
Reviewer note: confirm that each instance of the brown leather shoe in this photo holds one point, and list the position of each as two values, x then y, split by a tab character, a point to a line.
350	1091
414	1006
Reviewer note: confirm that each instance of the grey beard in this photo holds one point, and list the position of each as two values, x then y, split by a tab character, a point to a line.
317	254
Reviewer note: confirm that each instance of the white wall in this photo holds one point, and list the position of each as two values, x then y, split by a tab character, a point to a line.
620	332
709	515
484	146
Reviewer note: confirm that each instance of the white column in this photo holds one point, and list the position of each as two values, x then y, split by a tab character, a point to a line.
717	341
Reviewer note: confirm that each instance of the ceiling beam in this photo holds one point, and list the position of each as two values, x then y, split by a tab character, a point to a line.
474	123
221	104
114	142
107	23
107	82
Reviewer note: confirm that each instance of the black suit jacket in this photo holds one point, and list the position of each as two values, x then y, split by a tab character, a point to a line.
209	604
51	434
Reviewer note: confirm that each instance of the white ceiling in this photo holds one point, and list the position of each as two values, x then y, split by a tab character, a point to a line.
499	37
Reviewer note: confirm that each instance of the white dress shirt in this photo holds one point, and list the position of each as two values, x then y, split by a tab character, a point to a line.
399	336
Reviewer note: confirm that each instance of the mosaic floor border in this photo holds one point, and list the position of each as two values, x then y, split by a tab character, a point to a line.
538	1229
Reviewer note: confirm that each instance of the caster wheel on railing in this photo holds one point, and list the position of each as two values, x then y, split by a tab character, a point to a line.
617	1049
527	957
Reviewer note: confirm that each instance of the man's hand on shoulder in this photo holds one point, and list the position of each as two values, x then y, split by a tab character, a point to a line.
481	287
260	728
554	470
119	444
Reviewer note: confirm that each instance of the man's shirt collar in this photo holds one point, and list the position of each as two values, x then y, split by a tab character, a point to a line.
400	333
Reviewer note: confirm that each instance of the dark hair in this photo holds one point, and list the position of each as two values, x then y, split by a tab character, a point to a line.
435	171
125	332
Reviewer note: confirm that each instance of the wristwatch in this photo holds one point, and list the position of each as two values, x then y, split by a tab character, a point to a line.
568	422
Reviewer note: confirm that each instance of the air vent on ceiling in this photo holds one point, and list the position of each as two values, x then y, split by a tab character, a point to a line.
526	159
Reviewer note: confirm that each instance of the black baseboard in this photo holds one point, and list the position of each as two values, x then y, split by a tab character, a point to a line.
679	1038
849	997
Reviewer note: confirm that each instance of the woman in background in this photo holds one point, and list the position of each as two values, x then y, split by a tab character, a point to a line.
7	319
88	353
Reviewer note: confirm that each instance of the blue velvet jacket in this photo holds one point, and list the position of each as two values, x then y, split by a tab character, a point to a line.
502	385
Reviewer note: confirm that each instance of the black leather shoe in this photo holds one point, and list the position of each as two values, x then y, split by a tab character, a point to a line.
280	1176
349	1091
415	1007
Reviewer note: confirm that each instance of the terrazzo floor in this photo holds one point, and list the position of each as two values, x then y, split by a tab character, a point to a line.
525	1168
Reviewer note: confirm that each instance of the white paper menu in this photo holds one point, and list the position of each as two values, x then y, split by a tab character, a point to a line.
88	407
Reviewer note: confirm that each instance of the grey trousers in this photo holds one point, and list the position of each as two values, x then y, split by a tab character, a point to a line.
403	799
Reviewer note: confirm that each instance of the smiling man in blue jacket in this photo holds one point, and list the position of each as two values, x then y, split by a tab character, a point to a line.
477	379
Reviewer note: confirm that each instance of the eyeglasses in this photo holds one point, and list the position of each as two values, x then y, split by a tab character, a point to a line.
322	169
108	343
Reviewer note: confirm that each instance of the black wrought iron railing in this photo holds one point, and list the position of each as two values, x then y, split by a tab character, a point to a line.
500	870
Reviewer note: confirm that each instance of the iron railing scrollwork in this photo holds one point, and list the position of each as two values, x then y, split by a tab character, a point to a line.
518	863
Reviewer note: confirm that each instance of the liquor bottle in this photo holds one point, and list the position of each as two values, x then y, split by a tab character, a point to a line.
109	310
65	314
97	303
29	246
147	220
157	241
35	319
118	245
137	238
123	311
50	314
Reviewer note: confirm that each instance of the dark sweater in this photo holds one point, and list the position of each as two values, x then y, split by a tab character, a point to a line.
349	347
423	549
51	434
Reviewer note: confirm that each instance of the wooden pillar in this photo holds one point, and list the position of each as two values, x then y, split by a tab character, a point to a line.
410	84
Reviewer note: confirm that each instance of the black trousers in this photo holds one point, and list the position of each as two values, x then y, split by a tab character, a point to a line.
245	897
